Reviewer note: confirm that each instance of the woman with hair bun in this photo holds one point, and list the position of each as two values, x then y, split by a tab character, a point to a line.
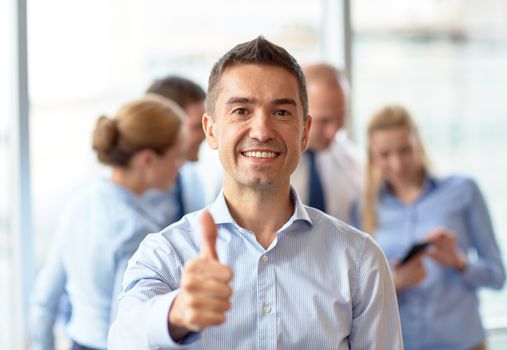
405	204
104	224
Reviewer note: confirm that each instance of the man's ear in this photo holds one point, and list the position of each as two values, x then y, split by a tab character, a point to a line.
306	131
209	130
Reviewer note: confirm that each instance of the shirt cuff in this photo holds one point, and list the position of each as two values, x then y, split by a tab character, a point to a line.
472	274
158	325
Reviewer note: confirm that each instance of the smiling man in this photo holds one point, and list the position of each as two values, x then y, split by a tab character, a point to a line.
257	269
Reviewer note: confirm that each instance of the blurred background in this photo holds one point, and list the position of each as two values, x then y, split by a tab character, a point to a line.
66	62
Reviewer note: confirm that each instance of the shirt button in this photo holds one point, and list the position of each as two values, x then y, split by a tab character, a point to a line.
266	308
265	258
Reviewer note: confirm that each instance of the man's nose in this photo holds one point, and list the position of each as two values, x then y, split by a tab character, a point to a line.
262	127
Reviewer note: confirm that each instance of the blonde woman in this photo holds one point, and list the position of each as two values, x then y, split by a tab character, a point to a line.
405	204
104	224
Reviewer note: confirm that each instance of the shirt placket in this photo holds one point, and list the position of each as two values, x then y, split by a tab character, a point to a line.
267	308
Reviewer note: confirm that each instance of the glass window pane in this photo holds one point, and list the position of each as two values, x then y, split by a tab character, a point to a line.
447	62
89	57
7	240
92	67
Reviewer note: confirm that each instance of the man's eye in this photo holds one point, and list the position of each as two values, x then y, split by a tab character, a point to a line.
239	111
281	113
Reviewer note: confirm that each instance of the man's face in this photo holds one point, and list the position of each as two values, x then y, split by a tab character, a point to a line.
327	108
257	126
194	134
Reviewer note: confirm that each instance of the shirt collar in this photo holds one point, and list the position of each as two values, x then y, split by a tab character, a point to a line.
430	183
300	212
220	211
222	215
148	204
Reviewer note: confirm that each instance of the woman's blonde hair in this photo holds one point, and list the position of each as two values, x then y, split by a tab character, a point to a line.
387	117
152	122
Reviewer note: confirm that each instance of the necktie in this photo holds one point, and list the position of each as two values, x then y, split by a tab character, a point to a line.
178	187
316	198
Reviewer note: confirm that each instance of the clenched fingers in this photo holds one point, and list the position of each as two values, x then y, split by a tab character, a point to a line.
209	269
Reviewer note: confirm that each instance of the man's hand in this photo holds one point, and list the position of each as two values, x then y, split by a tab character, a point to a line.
445	251
409	274
204	293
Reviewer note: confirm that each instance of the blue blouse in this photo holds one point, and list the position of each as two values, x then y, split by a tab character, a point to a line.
442	312
99	231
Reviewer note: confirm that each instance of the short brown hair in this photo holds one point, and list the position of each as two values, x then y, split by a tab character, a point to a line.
181	90
151	122
257	51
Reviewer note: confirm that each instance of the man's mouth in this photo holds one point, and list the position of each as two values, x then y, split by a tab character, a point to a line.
260	154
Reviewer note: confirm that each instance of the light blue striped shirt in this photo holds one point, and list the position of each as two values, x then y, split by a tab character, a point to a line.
442	312
320	285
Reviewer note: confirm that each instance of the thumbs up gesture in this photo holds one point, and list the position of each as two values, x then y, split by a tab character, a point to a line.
204	293
209	237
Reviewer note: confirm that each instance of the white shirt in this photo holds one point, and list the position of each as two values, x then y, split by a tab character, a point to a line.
211	172
193	190
340	172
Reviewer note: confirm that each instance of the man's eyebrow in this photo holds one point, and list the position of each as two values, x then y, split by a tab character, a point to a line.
235	100
284	101
249	100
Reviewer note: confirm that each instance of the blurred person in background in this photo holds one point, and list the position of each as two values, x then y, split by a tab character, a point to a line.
188	194
403	204
103	225
329	174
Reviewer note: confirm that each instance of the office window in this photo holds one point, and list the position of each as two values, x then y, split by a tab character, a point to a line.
447	62
89	57
6	234
9	314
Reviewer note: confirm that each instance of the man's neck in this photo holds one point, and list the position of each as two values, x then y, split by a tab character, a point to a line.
263	212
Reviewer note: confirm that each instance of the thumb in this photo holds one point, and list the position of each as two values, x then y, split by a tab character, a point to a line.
209	236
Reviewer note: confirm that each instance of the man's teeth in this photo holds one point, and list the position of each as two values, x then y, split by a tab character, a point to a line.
260	154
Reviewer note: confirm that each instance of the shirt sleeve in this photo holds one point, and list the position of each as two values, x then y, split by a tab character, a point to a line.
49	288
487	270
117	287
134	232
149	288
376	321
